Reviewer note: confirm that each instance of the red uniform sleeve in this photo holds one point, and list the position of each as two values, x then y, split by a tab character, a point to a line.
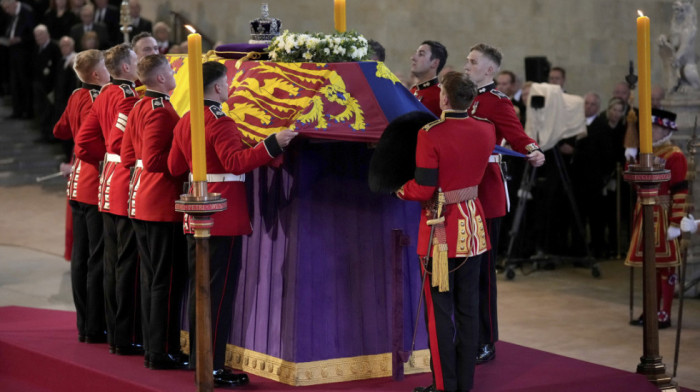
89	142
426	158
127	153
62	129
237	159
508	126
124	108
157	139
177	163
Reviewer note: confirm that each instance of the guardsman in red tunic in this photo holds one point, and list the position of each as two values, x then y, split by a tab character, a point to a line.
228	160
451	156
157	225
100	139
483	62
426	64
86	255
669	210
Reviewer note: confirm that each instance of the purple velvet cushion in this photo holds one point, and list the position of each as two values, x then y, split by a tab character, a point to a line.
236	51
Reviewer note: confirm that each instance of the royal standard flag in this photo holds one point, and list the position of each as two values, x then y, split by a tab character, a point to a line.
337	101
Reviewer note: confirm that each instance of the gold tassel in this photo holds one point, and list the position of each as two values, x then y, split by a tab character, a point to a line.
441	269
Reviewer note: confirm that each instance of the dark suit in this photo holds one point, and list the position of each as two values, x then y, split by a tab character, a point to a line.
111	20
143	25
45	62
19	55
78	30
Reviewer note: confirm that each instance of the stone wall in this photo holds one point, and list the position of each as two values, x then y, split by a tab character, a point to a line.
593	39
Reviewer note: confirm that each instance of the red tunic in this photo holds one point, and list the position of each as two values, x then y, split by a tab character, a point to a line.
496	107
452	153
148	137
669	209
105	127
226	153
84	178
428	93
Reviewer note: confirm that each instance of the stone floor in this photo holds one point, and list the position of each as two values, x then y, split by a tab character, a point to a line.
564	311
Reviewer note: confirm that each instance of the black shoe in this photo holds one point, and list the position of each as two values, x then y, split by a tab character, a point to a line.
664	324
224	377
487	352
160	361
81	338
430	388
128	349
638	322
112	349
96	339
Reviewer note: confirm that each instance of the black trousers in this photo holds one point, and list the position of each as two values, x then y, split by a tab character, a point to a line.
488	312
452	321
163	275
86	269
121	282
224	267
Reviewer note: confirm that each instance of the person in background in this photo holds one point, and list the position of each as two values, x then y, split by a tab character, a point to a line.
46	61
20	41
377	51
59	19
138	23
668	215
557	75
161	32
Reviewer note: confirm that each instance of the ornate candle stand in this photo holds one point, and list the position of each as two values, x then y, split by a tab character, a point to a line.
200	205
647	177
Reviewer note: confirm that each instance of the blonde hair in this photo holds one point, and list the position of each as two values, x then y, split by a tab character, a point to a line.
86	61
115	57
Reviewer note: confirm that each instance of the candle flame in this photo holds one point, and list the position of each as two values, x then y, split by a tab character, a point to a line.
191	29
640	12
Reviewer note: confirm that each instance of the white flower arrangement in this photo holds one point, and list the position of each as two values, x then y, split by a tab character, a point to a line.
318	48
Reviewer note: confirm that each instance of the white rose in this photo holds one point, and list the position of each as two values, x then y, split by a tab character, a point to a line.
326	51
307	56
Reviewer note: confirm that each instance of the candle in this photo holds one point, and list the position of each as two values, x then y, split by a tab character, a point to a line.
644	61
199	157
339	15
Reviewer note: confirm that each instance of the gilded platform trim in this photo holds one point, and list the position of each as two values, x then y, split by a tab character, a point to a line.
316	372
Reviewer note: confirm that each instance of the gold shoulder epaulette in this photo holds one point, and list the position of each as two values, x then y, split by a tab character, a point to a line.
429	125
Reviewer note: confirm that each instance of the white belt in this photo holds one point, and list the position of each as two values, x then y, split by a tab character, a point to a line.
113	158
139	163
223	177
495	158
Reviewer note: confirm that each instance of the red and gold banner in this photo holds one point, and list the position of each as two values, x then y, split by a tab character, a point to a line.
338	101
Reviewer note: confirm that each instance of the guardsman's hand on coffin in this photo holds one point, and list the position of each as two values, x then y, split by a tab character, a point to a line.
284	137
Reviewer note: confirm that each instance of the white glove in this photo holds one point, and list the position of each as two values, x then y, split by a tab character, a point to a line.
688	223
672	233
631	154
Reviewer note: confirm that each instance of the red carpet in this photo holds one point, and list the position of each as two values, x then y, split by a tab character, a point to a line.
39	351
